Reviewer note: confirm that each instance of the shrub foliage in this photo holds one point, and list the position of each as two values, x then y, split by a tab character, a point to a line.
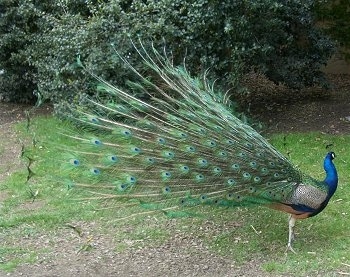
335	19
40	41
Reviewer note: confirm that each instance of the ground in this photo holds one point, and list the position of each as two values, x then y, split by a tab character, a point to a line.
329	112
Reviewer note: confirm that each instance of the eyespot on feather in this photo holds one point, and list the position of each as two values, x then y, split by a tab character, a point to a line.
74	162
96	142
95	171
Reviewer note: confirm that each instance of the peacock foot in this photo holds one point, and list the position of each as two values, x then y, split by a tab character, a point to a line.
290	248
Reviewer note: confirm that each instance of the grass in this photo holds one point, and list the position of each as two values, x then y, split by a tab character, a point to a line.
256	234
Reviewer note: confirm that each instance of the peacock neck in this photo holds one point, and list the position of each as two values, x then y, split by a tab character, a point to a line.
331	175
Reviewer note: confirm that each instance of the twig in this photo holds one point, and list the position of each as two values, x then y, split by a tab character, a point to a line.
258	233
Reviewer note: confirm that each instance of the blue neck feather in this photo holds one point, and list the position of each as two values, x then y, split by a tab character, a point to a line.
331	182
331	174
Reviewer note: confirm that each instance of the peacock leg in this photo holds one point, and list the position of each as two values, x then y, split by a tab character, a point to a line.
291	223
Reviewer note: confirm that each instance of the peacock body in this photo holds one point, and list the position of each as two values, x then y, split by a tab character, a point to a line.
183	148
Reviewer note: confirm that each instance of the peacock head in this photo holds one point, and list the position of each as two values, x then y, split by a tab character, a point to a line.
331	172
331	155
328	160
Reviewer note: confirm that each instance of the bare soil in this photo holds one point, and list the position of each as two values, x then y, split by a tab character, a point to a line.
313	109
60	251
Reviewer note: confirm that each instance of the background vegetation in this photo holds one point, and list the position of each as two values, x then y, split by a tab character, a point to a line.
40	40
335	19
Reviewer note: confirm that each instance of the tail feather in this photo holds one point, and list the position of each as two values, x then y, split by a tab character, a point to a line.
180	148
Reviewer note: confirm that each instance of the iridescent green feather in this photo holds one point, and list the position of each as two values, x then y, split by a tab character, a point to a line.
180	149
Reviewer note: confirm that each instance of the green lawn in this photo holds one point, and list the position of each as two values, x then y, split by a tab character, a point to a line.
242	234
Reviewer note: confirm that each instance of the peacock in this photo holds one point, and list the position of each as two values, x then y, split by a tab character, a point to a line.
178	146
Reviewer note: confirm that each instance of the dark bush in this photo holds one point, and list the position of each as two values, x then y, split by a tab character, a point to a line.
278	38
334	17
17	25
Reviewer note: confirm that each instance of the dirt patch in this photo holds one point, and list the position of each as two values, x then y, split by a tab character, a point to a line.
316	109
10	149
65	253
